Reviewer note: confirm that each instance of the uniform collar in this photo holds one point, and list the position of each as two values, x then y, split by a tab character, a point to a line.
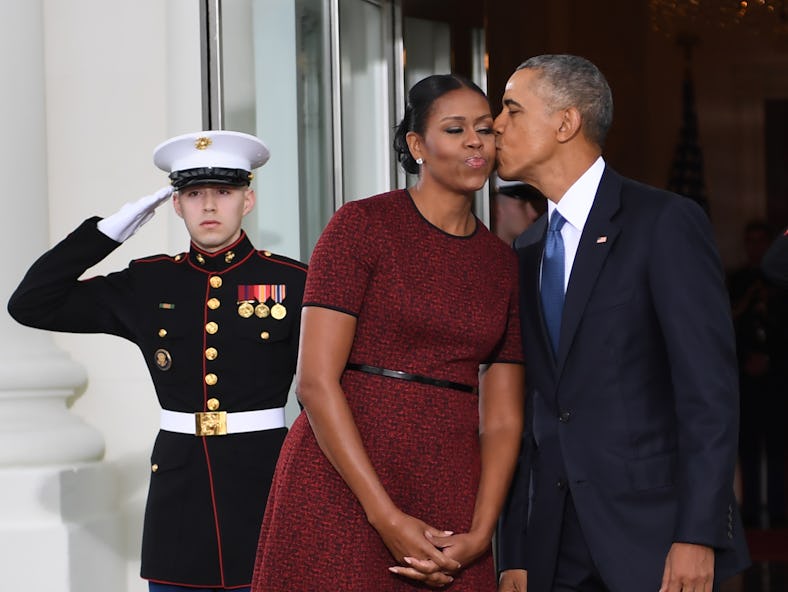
221	260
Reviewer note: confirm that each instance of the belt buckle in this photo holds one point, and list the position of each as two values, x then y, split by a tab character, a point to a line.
210	423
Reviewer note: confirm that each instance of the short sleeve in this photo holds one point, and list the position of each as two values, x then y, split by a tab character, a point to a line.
342	262
510	348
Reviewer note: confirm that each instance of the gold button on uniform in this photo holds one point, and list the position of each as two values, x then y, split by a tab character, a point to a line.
213	404
213	303
211	379
265	335
154	467
211	353
162	332
267	253
211	327
215	281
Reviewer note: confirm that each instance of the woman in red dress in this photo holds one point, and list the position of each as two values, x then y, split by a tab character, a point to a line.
410	374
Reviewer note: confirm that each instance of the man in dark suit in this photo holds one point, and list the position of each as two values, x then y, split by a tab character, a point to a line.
775	261
626	475
218	328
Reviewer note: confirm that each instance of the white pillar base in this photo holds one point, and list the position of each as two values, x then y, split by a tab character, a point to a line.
60	530
38	428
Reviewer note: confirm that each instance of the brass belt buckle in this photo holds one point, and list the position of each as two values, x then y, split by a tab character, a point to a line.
210	423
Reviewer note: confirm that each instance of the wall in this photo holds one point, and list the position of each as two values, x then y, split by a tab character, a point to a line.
734	70
120	78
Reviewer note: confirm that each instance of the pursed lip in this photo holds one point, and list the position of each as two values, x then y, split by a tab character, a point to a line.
209	223
476	162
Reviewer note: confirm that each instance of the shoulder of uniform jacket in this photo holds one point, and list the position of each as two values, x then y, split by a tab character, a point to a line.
275	258
161	258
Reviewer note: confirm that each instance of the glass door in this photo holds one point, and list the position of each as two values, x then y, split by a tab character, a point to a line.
367	84
320	82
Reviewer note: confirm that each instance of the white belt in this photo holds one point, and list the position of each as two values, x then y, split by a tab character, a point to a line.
220	423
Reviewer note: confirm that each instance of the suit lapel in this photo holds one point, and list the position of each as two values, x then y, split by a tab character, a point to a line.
599	234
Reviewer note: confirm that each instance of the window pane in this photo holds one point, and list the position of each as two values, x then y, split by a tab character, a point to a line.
366	99
315	171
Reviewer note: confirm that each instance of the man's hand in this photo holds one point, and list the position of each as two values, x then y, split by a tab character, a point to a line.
513	580
688	568
126	221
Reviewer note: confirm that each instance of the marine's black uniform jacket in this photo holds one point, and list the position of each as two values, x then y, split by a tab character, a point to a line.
207	494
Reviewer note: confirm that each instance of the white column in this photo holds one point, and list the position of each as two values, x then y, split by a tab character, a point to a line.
36	378
56	524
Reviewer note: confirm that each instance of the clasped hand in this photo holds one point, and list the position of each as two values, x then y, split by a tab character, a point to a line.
427	554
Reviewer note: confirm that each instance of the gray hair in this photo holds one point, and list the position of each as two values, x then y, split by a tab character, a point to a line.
571	81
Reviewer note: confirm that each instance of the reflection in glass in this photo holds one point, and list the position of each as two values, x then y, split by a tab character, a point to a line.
366	99
315	170
313	79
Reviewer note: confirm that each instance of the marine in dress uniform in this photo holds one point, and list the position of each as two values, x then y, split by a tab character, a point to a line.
218	329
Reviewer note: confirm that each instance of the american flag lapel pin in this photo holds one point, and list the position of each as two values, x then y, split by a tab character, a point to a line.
601	239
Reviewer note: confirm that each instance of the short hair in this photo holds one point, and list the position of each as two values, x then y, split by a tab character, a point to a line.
421	98
572	81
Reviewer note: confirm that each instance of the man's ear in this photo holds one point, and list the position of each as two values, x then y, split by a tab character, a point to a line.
571	122
250	198
176	203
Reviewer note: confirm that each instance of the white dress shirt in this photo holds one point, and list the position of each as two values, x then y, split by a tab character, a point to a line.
574	206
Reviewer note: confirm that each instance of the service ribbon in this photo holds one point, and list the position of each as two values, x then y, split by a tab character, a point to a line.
279	293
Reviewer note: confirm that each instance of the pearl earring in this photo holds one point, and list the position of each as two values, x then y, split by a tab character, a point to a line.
419	161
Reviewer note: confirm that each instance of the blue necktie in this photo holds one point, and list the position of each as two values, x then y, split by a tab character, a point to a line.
553	278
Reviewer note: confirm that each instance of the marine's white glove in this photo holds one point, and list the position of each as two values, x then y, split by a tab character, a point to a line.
126	221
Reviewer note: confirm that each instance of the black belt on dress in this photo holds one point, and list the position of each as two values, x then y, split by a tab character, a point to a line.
458	386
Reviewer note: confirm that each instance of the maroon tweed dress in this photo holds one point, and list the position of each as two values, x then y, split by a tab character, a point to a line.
427	303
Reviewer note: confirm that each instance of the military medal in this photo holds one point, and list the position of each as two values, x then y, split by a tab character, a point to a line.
262	292
278	310
245	309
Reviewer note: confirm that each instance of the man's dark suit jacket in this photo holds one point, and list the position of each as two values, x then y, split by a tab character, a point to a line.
775	261
637	416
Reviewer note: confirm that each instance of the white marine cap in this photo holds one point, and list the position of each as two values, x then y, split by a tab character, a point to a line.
214	156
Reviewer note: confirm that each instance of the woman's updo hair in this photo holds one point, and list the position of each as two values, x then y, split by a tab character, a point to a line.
421	97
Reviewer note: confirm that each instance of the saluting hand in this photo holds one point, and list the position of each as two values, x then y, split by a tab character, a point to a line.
128	219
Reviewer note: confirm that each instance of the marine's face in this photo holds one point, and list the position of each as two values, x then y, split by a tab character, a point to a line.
526	129
213	213
458	146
